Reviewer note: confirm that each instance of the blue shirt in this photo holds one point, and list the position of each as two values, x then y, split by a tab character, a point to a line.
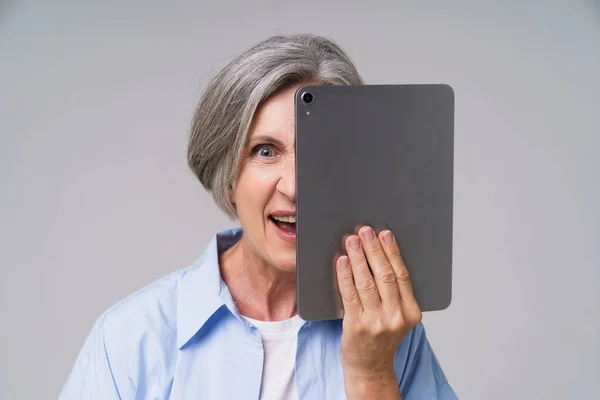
182	337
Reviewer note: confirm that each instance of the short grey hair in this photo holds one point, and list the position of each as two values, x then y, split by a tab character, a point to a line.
225	112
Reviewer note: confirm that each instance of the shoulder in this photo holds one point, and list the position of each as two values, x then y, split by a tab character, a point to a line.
132	343
150	316
139	331
148	321
153	306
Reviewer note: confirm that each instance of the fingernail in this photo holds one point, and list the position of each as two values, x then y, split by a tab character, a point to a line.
344	262
368	233
354	243
387	236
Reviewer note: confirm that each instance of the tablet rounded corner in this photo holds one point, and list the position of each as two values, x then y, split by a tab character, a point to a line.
447	303
449	90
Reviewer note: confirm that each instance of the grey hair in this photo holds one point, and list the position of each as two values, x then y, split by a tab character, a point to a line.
225	112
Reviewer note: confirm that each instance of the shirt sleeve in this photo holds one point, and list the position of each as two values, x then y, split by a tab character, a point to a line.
95	375
422	377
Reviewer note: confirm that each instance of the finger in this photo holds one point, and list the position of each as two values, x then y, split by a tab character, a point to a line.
363	280
392	251
348	292
344	239
347	235
381	268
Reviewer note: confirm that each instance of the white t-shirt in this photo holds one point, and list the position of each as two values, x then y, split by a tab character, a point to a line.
280	339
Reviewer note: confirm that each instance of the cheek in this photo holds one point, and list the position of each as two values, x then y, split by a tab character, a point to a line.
264	176
255	186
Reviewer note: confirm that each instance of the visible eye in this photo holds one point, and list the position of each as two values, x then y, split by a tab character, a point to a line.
264	151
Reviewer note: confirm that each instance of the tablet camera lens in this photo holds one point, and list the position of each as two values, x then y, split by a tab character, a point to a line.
307	98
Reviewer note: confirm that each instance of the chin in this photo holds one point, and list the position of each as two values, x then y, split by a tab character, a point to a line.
285	263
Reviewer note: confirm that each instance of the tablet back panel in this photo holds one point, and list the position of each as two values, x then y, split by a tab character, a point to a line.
380	155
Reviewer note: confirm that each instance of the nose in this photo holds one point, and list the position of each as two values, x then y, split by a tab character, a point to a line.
287	180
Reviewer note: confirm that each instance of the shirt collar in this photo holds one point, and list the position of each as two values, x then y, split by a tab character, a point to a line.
202	291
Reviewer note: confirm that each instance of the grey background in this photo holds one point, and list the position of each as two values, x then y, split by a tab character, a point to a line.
96	199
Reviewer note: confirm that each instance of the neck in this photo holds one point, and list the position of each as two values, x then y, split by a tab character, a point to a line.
260	290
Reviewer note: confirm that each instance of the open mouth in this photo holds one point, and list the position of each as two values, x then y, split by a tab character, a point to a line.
285	223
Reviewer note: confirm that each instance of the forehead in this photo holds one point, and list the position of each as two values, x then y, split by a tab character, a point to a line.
275	117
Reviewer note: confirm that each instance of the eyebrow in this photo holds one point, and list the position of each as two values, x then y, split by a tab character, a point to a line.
266	139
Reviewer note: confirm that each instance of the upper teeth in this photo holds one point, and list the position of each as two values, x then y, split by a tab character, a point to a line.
288	219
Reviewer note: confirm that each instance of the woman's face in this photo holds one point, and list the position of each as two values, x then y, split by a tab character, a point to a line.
265	190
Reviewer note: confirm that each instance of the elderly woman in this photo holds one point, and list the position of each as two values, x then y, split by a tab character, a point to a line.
226	327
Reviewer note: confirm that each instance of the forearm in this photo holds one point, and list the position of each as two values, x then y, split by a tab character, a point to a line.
375	388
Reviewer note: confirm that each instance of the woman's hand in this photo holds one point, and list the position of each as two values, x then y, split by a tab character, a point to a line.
379	307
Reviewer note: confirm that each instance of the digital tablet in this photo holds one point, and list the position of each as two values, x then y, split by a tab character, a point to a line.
378	155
